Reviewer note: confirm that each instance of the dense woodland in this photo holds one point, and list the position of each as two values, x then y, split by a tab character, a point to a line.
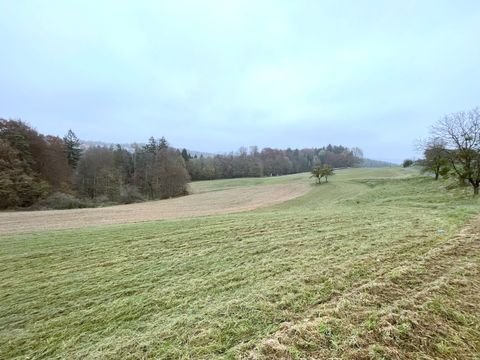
270	162
49	171
39	170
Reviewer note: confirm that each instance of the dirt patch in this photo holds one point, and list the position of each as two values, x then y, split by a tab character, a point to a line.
211	203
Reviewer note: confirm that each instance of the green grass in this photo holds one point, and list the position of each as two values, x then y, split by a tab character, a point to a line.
336	264
224	184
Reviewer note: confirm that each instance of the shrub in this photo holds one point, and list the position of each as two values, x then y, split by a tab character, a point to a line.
130	194
60	201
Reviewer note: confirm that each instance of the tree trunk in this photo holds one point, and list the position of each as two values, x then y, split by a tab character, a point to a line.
475	189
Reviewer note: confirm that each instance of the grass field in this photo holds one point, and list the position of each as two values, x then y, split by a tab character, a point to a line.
206	198
376	264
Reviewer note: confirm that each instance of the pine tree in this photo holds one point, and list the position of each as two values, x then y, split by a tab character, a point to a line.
74	152
151	146
163	143
186	156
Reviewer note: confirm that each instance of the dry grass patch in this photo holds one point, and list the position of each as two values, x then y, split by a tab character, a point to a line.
232	200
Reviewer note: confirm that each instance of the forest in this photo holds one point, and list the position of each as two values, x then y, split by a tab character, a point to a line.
270	162
45	171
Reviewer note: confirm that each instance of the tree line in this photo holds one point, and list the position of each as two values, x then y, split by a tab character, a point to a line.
270	162
51	171
45	169
453	148
152	171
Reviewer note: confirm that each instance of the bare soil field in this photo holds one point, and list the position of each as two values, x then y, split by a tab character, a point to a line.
200	204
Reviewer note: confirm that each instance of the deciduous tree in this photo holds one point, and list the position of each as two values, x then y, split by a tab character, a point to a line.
461	133
326	171
436	158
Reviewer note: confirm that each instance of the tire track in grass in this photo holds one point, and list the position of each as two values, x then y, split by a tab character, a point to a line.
413	309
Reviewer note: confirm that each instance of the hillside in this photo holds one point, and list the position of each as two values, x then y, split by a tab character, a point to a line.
371	163
376	264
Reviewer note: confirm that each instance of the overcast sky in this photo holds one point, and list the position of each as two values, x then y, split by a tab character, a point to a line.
215	75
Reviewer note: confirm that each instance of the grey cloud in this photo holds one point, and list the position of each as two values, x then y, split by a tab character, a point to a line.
215	75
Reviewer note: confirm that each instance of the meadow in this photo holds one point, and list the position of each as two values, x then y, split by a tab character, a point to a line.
375	264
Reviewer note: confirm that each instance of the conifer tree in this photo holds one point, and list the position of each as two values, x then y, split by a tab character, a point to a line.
74	151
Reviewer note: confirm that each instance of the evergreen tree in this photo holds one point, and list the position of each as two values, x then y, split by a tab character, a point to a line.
151	146
163	143
186	156
72	145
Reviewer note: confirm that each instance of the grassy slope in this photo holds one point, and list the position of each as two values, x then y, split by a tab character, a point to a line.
338	264
224	184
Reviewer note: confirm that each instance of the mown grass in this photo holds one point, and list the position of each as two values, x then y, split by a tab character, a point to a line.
225	286
224	184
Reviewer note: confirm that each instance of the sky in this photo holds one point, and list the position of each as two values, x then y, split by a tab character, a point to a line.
215	75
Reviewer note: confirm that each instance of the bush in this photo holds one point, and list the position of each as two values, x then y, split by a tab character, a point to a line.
130	194
103	200
61	201
407	163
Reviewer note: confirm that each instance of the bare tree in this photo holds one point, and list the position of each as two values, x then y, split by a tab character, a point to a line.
461	133
357	152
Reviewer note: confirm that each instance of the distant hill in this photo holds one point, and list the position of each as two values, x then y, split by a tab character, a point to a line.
200	153
86	144
370	163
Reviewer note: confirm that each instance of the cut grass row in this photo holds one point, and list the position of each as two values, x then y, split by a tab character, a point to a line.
217	287
223	184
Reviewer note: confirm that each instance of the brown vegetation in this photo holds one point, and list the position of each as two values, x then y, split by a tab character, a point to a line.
209	203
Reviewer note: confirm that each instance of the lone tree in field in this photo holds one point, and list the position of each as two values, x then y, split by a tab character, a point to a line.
327	171
316	172
461	133
322	171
